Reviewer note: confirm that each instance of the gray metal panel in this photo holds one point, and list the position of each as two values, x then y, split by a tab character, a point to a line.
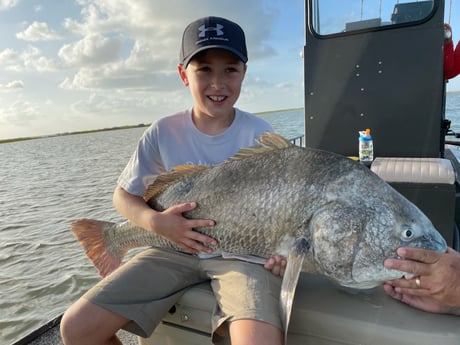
354	82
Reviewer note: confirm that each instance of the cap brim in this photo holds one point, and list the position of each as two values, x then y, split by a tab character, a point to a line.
243	58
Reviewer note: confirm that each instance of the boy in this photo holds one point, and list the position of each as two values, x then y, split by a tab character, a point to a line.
136	296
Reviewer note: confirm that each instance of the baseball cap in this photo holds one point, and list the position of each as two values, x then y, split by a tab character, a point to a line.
212	32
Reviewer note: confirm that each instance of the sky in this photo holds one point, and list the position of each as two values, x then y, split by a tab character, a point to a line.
72	65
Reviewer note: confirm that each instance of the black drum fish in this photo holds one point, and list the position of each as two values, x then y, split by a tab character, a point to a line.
324	212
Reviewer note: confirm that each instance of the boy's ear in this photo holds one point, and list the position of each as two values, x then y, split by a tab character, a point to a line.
182	74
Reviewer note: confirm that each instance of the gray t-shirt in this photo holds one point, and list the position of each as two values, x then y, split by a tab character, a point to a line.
174	140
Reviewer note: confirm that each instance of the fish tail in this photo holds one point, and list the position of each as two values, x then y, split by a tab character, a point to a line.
90	234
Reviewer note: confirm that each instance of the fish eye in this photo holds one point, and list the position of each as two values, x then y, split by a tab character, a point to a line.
407	234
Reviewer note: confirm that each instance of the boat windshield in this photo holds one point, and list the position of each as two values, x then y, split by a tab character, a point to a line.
329	17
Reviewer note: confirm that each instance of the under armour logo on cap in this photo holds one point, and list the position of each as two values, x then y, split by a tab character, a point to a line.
212	32
203	29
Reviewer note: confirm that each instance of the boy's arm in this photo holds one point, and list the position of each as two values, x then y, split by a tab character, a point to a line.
169	223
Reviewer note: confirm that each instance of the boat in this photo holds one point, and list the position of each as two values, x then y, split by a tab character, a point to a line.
378	71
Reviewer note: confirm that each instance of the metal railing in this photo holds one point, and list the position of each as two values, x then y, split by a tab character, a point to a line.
299	141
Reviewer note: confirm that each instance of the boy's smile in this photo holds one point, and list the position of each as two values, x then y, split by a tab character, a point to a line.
217	98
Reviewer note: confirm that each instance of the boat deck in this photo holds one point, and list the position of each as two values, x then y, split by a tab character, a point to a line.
52	337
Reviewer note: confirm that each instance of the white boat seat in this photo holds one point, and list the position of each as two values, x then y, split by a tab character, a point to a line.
414	170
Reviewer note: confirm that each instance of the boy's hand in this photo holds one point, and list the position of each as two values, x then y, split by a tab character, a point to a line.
276	264
172	225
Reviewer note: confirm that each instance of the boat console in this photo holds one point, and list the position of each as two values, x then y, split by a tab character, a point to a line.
386	75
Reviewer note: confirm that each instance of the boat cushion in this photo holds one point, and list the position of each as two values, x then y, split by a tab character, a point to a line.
414	170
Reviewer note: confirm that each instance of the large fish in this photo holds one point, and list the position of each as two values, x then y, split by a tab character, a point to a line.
326	213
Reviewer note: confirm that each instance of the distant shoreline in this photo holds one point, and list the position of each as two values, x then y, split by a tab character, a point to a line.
4	141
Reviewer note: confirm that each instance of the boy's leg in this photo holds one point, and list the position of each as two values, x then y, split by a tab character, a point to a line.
252	332
247	302
79	321
135	297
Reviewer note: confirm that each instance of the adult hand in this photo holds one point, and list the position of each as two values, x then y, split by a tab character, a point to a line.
276	264
435	286
172	225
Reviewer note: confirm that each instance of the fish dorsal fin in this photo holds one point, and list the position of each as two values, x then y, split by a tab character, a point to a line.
164	180
267	142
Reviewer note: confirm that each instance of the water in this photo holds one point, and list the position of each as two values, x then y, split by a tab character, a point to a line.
44	185
453	110
47	183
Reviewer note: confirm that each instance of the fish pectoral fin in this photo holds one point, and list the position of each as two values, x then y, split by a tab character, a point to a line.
295	259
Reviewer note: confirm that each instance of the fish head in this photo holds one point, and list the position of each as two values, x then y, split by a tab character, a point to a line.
408	227
352	237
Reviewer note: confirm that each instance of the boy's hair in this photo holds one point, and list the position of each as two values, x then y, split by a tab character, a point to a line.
212	32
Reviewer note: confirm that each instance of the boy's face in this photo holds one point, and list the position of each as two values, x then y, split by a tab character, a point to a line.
215	77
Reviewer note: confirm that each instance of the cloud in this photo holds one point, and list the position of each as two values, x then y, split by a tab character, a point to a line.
93	49
34	61
106	104
38	32
12	85
152	30
145	68
161	22
8	56
127	107
31	59
119	77
18	113
11	60
147	56
8	4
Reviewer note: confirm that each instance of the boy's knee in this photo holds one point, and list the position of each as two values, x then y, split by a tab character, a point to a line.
87	323
76	322
69	326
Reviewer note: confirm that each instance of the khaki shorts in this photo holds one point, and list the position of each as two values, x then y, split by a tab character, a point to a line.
147	286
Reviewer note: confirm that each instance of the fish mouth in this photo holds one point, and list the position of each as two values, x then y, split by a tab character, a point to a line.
435	242
366	285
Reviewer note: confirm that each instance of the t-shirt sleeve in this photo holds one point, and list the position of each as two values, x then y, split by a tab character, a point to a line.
144	165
